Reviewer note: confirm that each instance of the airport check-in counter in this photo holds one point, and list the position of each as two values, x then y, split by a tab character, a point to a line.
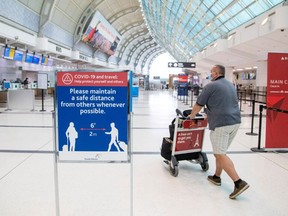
17	97
20	99
3	96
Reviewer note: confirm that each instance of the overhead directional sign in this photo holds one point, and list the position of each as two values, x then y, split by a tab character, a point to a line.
181	64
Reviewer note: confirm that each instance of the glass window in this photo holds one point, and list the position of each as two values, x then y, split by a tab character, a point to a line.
196	24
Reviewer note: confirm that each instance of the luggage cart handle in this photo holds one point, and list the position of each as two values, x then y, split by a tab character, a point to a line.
179	113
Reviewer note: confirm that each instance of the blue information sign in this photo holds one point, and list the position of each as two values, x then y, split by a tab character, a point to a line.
183	89
92	116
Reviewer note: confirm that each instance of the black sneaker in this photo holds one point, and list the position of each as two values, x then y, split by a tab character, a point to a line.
216	181
237	191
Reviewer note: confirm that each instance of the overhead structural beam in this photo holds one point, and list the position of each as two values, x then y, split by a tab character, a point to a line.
141	53
122	13
45	14
128	40
129	26
139	44
150	55
146	47
156	54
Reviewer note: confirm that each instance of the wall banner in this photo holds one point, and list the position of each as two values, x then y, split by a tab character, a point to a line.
277	97
92	116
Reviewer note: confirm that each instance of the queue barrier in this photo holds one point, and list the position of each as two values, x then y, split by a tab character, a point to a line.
258	148
253	102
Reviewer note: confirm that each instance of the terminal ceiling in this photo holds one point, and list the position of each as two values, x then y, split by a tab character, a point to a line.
152	27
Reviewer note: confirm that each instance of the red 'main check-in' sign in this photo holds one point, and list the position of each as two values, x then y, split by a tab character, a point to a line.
277	97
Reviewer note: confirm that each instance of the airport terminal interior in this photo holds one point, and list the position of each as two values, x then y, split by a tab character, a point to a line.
76	75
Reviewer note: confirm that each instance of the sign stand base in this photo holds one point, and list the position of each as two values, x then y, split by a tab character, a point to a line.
258	150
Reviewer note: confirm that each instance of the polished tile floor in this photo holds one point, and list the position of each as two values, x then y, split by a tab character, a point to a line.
32	184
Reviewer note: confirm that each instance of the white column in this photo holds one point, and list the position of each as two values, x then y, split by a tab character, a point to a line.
261	74
229	74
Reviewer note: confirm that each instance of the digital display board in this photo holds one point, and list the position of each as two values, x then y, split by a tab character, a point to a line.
29	57
36	59
50	62
18	55
9	53
44	60
100	34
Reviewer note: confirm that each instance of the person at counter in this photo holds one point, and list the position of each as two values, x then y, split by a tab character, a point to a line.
2	83
25	83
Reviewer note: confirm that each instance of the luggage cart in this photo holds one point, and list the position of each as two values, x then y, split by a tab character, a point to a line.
185	142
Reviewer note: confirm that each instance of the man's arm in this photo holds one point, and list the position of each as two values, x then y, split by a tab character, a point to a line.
196	109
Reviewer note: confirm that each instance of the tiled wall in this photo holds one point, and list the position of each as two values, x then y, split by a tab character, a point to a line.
17	13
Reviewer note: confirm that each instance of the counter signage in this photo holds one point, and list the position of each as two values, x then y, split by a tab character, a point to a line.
42	81
92	116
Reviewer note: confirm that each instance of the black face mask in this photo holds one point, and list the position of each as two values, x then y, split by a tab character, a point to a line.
219	77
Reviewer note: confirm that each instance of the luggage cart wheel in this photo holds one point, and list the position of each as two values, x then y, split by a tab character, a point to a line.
174	166
205	166
174	171
203	160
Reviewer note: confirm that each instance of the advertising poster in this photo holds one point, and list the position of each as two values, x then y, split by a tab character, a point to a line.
100	34
277	97
189	141
92	116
